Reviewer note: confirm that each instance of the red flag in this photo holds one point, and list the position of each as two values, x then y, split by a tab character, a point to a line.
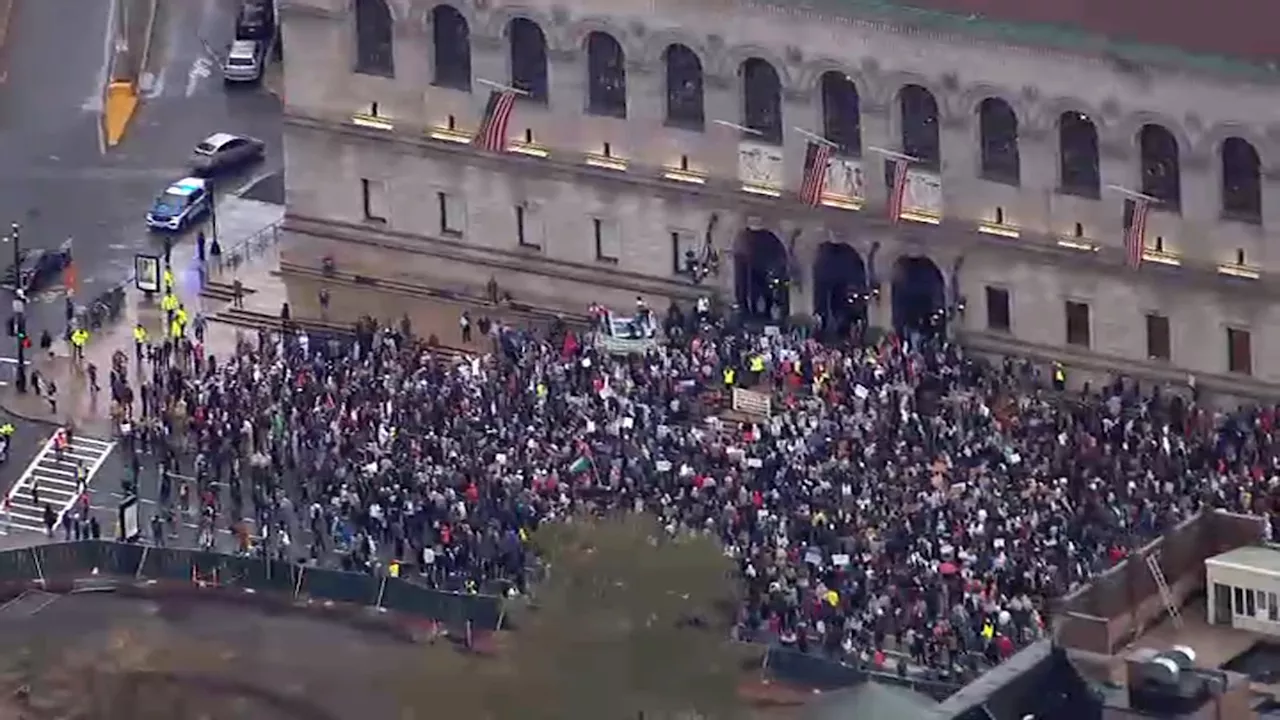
570	347
816	158
69	277
1135	230
897	190
492	135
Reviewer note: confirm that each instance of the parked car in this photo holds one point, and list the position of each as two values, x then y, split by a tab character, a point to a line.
255	21
225	151
179	204
244	62
40	268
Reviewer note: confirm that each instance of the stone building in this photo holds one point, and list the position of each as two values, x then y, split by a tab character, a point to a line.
654	135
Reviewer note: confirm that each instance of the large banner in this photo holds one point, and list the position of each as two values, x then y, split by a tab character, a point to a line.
845	180
760	167
923	194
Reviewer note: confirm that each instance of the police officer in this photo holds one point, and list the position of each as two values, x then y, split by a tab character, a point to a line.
139	342
1059	376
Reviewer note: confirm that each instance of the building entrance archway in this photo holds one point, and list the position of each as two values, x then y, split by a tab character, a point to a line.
840	288
919	296
762	288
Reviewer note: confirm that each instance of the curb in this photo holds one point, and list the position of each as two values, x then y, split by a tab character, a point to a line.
6	13
120	96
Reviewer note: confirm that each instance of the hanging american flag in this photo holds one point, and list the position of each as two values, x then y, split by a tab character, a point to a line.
1135	230
898	189
492	135
816	159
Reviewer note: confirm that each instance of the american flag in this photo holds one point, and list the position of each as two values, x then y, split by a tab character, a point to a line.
816	159
1135	230
897	190
492	135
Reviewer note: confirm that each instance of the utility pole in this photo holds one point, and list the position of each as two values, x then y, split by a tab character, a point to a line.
19	309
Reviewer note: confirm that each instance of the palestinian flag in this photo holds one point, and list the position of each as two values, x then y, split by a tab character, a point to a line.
581	465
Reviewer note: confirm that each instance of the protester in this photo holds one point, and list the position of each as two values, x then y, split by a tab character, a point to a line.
901	496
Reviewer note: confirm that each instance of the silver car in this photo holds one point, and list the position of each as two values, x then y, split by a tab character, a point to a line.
244	62
222	151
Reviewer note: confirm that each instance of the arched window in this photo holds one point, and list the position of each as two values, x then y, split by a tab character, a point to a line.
528	58
1161	175
374	47
761	100
606	76
1241	180
452	40
919	113
684	88
841	116
1078	155
998	135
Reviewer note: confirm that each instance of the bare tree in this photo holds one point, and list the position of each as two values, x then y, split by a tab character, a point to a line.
630	623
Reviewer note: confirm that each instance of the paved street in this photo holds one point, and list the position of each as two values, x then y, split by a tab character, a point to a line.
54	177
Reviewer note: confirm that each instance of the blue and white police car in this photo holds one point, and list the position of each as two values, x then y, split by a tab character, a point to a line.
180	203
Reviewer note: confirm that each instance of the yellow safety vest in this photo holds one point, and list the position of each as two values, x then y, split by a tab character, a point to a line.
181	316
1059	375
168	280
394	570
139	335
175	329
757	364
729	375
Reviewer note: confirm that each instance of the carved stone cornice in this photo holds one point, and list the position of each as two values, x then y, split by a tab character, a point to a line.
303	10
487	43
559	56
717	82
1197	161
1116	150
796	95
875	109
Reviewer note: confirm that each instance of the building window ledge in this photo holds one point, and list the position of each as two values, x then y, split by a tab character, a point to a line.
1079	243
920	217
999	229
372	122
530	149
607	162
1247	272
684	176
460	137
842	202
1162	258
766	190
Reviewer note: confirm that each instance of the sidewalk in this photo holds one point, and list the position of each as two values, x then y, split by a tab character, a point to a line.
238	221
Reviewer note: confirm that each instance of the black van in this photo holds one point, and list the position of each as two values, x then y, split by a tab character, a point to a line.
255	21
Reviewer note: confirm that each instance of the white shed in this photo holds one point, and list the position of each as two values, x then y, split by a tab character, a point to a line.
1244	589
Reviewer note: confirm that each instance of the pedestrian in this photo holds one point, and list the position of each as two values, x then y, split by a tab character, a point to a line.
237	294
51	395
464	322
200	246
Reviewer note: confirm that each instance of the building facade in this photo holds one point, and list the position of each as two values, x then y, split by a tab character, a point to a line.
651	136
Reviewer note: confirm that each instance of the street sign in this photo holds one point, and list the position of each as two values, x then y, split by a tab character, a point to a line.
130	527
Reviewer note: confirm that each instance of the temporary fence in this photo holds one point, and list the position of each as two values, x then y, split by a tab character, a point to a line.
814	670
97	564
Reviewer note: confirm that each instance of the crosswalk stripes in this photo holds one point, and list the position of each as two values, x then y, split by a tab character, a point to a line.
51	480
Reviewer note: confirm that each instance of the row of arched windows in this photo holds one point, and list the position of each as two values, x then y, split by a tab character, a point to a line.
1000	161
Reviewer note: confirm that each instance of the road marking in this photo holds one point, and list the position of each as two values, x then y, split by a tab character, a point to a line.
201	68
55	479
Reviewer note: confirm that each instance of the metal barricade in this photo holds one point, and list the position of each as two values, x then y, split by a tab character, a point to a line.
343	587
165	564
123	559
808	670
64	561
18	565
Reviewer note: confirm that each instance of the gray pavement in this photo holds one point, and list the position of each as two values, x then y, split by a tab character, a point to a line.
54	178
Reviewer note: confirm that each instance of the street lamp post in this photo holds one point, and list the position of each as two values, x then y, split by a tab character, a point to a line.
19	309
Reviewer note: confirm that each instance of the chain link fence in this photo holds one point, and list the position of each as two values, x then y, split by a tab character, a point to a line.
95	564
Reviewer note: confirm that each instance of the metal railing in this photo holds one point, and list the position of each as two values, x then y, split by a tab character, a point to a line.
96	563
251	248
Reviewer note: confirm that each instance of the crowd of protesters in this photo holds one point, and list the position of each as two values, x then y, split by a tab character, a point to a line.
901	495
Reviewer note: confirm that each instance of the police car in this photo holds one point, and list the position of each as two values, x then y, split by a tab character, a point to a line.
179	204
